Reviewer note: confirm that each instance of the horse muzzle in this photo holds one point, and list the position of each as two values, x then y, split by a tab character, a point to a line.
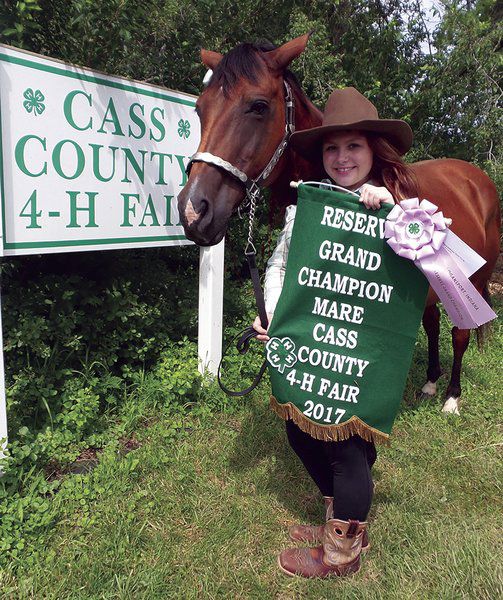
205	210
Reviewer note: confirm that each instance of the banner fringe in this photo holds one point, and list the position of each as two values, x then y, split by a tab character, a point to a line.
328	433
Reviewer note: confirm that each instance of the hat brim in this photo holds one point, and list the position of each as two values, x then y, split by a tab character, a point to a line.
397	132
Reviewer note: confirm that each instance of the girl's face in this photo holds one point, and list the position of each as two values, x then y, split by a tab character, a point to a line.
347	158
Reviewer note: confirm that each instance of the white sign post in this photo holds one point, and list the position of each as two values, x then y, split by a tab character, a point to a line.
93	162
211	297
3	407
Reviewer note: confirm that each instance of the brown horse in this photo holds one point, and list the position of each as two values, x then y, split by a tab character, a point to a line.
242	113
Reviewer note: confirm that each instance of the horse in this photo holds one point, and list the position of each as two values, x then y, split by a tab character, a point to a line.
242	113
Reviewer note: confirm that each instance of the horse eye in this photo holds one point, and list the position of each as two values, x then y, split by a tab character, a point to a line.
259	107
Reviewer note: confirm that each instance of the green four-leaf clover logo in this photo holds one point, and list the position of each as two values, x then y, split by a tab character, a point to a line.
183	128
34	101
414	229
280	353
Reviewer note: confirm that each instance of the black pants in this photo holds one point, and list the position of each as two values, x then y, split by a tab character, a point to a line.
339	469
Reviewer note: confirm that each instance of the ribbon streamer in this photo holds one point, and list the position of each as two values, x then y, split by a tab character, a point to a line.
417	231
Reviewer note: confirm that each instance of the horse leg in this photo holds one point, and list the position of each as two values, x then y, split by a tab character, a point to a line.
431	324
460	339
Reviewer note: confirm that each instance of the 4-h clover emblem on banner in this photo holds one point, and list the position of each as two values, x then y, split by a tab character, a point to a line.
280	353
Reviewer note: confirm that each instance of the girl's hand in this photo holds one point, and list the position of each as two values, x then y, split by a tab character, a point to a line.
257	325
373	196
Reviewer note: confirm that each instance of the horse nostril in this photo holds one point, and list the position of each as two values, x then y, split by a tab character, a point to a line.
203	204
195	211
203	210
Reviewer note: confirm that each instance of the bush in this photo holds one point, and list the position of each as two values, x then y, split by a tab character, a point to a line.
100	316
177	372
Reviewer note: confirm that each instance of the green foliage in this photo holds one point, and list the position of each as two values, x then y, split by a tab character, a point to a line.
19	21
25	518
27	506
376	45
320	68
76	409
458	99
98	317
177	371
77	331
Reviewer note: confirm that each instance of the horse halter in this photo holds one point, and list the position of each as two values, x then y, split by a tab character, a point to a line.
253	186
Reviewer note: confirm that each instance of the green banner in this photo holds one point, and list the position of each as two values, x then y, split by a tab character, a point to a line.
345	326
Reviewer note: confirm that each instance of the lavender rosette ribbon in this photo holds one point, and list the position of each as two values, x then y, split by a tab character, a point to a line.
417	231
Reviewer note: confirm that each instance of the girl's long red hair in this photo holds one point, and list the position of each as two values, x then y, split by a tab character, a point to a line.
389	169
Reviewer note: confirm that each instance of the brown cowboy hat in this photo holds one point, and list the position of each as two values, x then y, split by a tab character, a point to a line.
347	109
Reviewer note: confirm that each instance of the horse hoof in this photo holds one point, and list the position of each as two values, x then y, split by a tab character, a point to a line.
451	406
428	390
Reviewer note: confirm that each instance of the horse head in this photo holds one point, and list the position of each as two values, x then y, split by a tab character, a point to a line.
242	112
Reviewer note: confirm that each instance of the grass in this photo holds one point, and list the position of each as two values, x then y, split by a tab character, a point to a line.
201	511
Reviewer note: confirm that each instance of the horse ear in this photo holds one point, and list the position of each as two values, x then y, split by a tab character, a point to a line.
281	57
210	59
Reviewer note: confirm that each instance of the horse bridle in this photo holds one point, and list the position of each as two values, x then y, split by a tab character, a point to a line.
253	186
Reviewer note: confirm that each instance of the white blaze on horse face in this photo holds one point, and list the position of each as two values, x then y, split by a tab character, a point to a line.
190	213
207	78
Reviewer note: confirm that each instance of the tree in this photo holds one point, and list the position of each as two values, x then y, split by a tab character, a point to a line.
458	99
449	94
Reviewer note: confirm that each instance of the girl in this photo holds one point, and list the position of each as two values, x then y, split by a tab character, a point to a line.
361	153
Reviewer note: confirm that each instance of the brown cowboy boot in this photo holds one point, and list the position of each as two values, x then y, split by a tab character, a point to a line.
313	534
339	555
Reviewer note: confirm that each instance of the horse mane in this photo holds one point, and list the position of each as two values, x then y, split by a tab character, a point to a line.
243	62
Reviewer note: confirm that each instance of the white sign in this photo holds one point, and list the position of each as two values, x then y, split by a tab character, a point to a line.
94	162
89	161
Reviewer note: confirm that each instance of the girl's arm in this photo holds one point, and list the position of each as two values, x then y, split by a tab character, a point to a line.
275	272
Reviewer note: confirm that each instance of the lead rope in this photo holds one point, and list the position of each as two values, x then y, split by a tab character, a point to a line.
243	339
